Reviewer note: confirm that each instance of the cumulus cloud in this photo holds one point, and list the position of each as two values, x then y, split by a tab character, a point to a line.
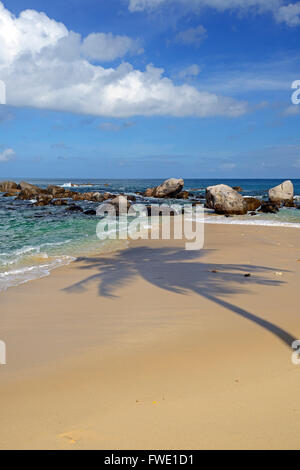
192	36
7	155
45	66
288	13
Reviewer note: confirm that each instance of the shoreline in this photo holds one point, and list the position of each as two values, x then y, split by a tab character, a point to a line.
212	219
151	336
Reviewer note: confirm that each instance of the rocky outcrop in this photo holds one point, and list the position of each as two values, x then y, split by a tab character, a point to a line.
11	193
56	191
225	200
43	200
282	194
168	189
269	207
252	203
7	186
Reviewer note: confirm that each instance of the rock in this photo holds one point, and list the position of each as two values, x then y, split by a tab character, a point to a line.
253	213
149	192
30	191
90	212
59	202
11	193
269	207
8	186
252	203
290	203
282	194
237	188
169	188
98	197
55	191
43	200
78	196
225	200
183	195
74	208
121	204
26	194
29	186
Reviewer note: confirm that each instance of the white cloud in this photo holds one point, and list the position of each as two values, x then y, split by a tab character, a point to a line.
7	155
106	47
289	14
48	70
192	36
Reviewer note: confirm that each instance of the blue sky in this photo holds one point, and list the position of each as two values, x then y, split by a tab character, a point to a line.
149	88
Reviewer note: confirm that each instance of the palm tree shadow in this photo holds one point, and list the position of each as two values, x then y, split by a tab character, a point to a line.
177	270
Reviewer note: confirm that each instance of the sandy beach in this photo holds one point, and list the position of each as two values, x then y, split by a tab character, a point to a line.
156	347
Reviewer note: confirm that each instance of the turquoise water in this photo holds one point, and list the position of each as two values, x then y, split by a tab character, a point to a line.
34	240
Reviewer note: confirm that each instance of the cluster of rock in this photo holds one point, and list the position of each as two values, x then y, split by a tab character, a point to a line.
221	198
55	195
228	201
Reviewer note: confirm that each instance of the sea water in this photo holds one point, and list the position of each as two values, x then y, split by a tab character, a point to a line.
35	240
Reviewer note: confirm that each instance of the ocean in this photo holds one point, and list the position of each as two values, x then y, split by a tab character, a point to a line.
35	240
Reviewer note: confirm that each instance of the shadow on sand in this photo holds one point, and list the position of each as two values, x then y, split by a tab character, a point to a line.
177	270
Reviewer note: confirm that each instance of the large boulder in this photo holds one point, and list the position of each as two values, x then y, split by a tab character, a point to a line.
282	194
169	188
225	200
6	186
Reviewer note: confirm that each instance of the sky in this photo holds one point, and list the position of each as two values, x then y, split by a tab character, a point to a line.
149	89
